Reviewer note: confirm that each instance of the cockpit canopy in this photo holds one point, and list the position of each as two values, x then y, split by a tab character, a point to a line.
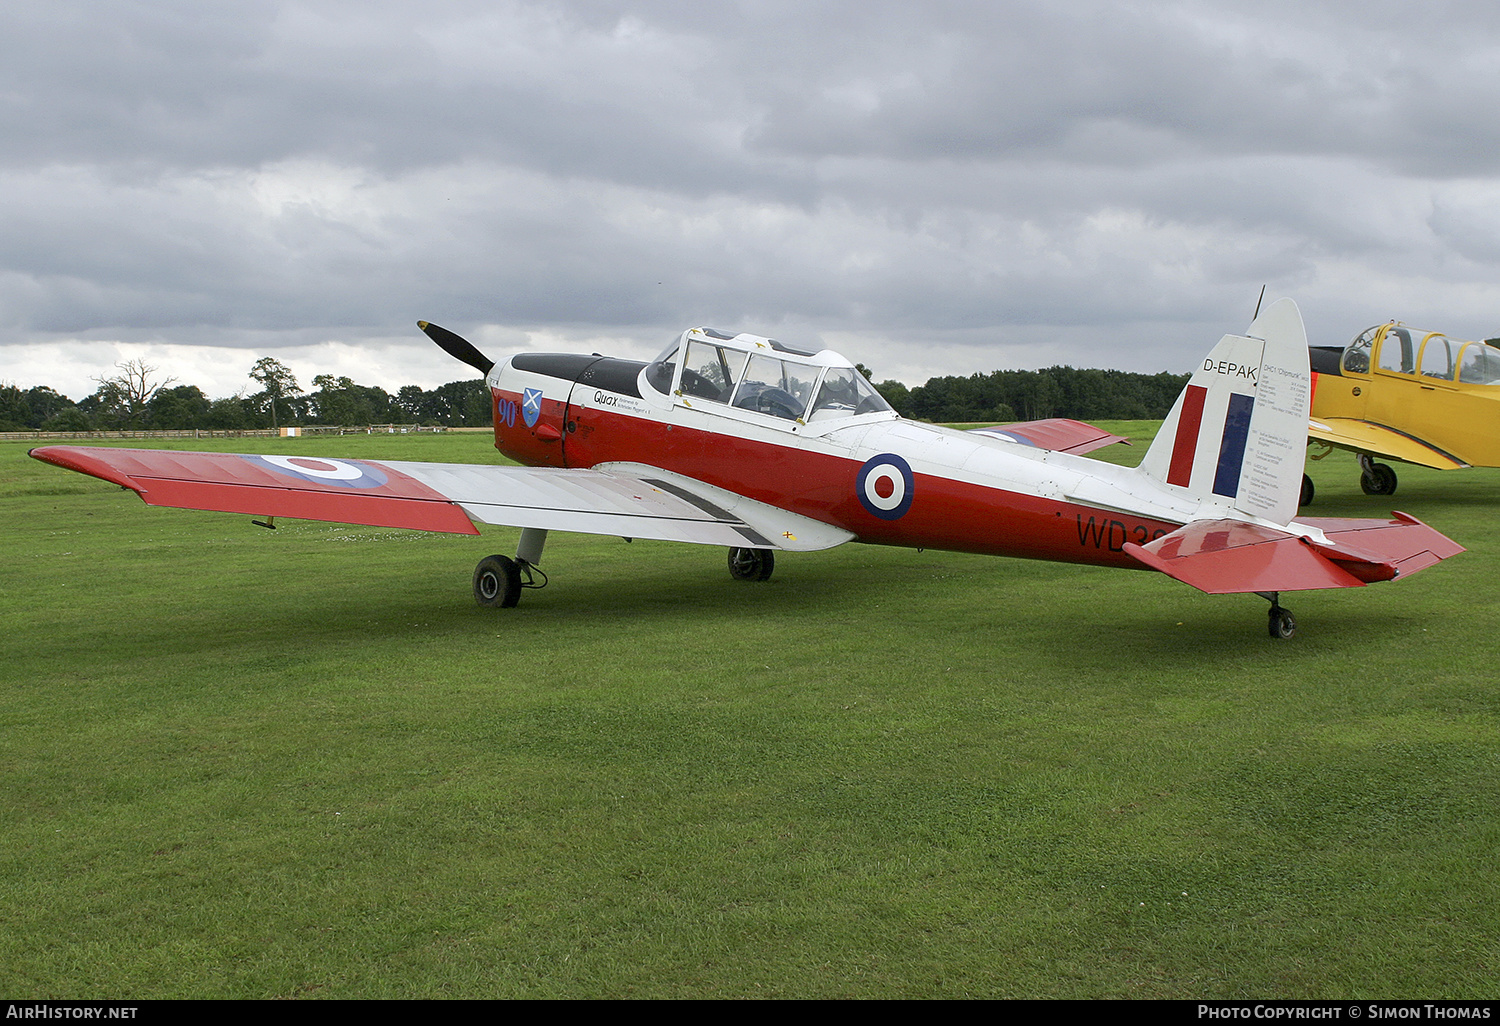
1398	349
751	372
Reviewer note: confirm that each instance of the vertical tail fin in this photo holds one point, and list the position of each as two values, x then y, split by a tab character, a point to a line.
1237	436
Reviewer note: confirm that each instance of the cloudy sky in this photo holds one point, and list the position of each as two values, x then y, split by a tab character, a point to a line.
930	188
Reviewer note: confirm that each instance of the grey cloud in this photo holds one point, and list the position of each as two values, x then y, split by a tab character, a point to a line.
964	178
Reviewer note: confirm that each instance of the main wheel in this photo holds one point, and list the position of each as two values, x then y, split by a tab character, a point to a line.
497	582
751	564
1281	623
1308	491
1381	480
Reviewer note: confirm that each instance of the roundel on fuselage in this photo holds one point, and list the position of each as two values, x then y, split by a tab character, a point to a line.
885	486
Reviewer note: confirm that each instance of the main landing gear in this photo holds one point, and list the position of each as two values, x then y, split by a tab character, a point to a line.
1280	623
751	564
1376	478
498	580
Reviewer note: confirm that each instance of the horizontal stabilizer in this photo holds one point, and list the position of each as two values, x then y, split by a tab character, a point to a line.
1058	434
1405	543
1223	557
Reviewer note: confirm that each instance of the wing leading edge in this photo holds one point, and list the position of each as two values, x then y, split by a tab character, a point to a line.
626	500
1378	440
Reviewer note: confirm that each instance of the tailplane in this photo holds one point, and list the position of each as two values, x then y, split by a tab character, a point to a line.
1236	438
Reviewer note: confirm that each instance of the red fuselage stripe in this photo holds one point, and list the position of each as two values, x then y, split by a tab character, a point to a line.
946	513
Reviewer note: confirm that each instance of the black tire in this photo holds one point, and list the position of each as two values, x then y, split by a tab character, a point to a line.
1308	491
1381	480
1281	623
497	582
751	564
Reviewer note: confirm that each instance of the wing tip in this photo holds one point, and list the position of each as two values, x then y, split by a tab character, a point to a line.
83	462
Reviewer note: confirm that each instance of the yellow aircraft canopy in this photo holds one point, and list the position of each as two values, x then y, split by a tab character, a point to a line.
1400	349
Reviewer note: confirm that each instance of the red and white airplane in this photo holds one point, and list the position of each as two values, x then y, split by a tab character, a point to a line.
744	442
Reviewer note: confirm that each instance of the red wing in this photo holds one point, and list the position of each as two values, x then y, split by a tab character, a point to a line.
343	491
1229	556
626	500
1058	434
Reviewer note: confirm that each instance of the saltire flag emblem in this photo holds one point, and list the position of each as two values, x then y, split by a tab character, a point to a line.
1232	441
531	406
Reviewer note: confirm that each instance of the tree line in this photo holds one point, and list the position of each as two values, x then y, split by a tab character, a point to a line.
138	399
1013	395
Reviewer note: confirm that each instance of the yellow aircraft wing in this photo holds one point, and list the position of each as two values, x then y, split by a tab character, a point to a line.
1363	436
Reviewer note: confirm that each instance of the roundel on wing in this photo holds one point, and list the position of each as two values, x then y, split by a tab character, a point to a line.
342	473
885	486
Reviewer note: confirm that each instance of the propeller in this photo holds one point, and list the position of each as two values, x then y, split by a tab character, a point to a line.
457	347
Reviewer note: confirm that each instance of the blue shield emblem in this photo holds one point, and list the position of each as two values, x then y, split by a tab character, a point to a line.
531	406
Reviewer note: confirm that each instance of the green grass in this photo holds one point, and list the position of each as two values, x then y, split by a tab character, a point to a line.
238	763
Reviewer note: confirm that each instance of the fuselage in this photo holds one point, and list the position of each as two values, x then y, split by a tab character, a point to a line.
805	432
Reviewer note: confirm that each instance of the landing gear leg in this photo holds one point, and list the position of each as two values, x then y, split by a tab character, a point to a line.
751	564
529	548
529	554
498	580
1280	623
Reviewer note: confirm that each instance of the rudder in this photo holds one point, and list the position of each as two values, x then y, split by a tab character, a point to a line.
1237	436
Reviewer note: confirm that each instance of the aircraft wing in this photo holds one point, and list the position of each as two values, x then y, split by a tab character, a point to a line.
626	500
1363	436
1224	557
1058	434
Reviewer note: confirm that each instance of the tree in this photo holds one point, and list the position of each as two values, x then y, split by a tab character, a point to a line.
228	414
339	400
14	409
179	408
278	382
456	404
409	401
45	404
70	418
121	401
897	394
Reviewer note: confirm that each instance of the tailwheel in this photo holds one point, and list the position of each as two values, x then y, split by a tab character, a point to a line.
497	582
751	564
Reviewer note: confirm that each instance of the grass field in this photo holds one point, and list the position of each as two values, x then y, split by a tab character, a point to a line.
302	763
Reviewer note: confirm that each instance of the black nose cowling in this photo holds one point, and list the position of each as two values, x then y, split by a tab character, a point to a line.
457	346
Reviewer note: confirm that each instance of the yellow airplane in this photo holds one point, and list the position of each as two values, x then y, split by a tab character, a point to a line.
1401	393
